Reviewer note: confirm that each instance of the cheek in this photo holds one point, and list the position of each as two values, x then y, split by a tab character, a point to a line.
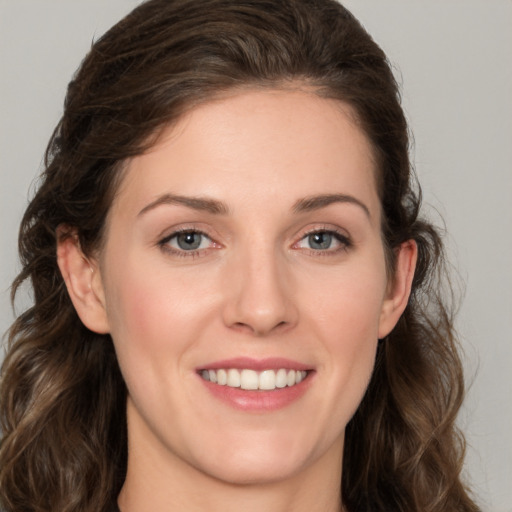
349	307
153	311
346	317
153	324
137	310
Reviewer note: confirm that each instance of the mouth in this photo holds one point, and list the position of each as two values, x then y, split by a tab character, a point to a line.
257	385
252	380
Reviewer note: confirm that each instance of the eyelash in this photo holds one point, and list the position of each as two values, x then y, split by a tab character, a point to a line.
343	240
164	243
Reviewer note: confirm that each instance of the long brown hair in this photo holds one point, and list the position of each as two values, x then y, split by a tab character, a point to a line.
62	399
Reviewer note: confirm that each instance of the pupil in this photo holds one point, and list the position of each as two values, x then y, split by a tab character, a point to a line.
320	240
189	241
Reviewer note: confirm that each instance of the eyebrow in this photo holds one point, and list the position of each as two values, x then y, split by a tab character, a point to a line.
196	203
312	203
216	207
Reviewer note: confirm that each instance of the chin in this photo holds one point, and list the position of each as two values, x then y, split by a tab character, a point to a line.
240	469
259	459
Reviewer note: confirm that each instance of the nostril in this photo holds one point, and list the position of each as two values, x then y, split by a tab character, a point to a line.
258	331
241	327
280	325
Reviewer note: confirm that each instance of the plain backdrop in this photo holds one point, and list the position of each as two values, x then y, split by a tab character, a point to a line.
454	59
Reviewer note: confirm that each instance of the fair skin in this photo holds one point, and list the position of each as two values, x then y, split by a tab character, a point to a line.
278	260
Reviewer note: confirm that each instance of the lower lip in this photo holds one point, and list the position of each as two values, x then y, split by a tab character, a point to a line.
259	401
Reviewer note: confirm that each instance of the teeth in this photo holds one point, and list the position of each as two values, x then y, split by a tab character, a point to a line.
222	377
233	378
267	380
281	378
251	380
248	379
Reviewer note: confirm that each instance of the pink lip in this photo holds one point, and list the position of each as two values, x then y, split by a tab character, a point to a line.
258	365
258	401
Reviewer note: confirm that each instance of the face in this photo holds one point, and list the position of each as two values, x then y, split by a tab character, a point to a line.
244	284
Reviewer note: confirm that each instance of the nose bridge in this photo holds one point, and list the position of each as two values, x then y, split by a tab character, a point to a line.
260	299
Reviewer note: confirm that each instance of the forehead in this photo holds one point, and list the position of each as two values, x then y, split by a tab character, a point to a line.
255	147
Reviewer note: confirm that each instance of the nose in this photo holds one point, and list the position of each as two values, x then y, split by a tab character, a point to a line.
259	296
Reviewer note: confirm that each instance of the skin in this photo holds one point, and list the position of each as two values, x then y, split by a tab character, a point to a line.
256	287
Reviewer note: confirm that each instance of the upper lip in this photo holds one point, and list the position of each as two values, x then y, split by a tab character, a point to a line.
270	363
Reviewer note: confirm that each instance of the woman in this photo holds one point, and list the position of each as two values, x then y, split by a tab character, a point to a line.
236	302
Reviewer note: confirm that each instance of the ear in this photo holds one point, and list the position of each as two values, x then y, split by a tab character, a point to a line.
83	281
399	288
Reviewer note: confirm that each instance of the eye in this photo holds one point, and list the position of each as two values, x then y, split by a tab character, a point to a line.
186	241
324	241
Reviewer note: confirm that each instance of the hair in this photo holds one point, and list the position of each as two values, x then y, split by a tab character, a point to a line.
63	398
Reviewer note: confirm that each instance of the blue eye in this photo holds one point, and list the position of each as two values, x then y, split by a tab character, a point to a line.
320	241
324	241
187	241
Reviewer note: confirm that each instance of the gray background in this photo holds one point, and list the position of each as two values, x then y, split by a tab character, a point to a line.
454	59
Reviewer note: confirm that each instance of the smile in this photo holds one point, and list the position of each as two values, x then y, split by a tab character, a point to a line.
266	380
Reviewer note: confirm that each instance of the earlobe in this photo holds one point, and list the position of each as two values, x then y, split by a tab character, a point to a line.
400	288
83	282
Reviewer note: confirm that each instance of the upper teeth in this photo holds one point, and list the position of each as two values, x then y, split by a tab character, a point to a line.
250	379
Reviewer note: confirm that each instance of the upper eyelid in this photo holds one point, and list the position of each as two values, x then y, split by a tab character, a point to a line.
169	233
325	229
339	236
177	232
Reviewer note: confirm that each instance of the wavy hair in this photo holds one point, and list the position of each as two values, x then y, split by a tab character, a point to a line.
62	398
